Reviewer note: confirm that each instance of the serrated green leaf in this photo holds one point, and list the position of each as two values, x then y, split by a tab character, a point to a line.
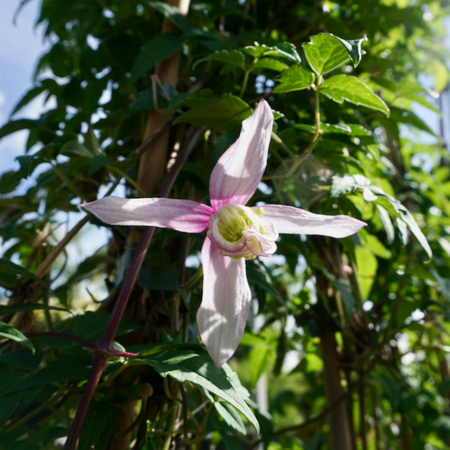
295	78
325	53
160	47
345	87
198	368
11	268
285	50
9	332
220	114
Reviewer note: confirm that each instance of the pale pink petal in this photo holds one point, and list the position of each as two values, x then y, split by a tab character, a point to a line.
181	215
226	300
290	220
239	170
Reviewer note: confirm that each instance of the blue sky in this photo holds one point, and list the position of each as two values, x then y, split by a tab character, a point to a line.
20	47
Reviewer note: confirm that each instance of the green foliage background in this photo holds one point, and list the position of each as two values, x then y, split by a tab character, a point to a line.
342	78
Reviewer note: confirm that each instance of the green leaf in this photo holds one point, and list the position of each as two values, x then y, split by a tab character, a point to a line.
11	268
22	359
97	163
28	163
74	148
233	57
259	359
230	416
345	87
8	309
367	268
160	47
98	426
285	50
341	184
17	125
295	78
219	114
173	14
405	116
8	332
353	48
258	278
269	63
325	53
199	369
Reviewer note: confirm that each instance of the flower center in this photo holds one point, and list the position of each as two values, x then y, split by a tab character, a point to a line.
239	231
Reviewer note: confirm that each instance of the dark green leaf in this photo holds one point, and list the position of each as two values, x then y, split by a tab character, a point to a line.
74	148
8	309
17	125
233	57
97	163
173	14
98	426
160	47
9	267
219	114
8	332
345	87
27	164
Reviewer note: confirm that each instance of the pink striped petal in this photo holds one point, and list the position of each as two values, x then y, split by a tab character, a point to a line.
290	220
181	215
226	300
239	170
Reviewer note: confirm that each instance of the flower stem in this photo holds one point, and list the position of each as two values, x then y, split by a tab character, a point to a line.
244	83
98	365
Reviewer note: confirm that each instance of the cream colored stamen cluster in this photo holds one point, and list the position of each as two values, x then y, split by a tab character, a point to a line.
240	231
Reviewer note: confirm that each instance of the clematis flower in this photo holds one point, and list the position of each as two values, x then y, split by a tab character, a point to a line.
234	232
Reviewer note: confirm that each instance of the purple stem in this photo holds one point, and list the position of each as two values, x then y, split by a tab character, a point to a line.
105	344
98	365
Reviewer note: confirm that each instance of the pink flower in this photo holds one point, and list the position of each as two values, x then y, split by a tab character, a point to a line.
235	232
